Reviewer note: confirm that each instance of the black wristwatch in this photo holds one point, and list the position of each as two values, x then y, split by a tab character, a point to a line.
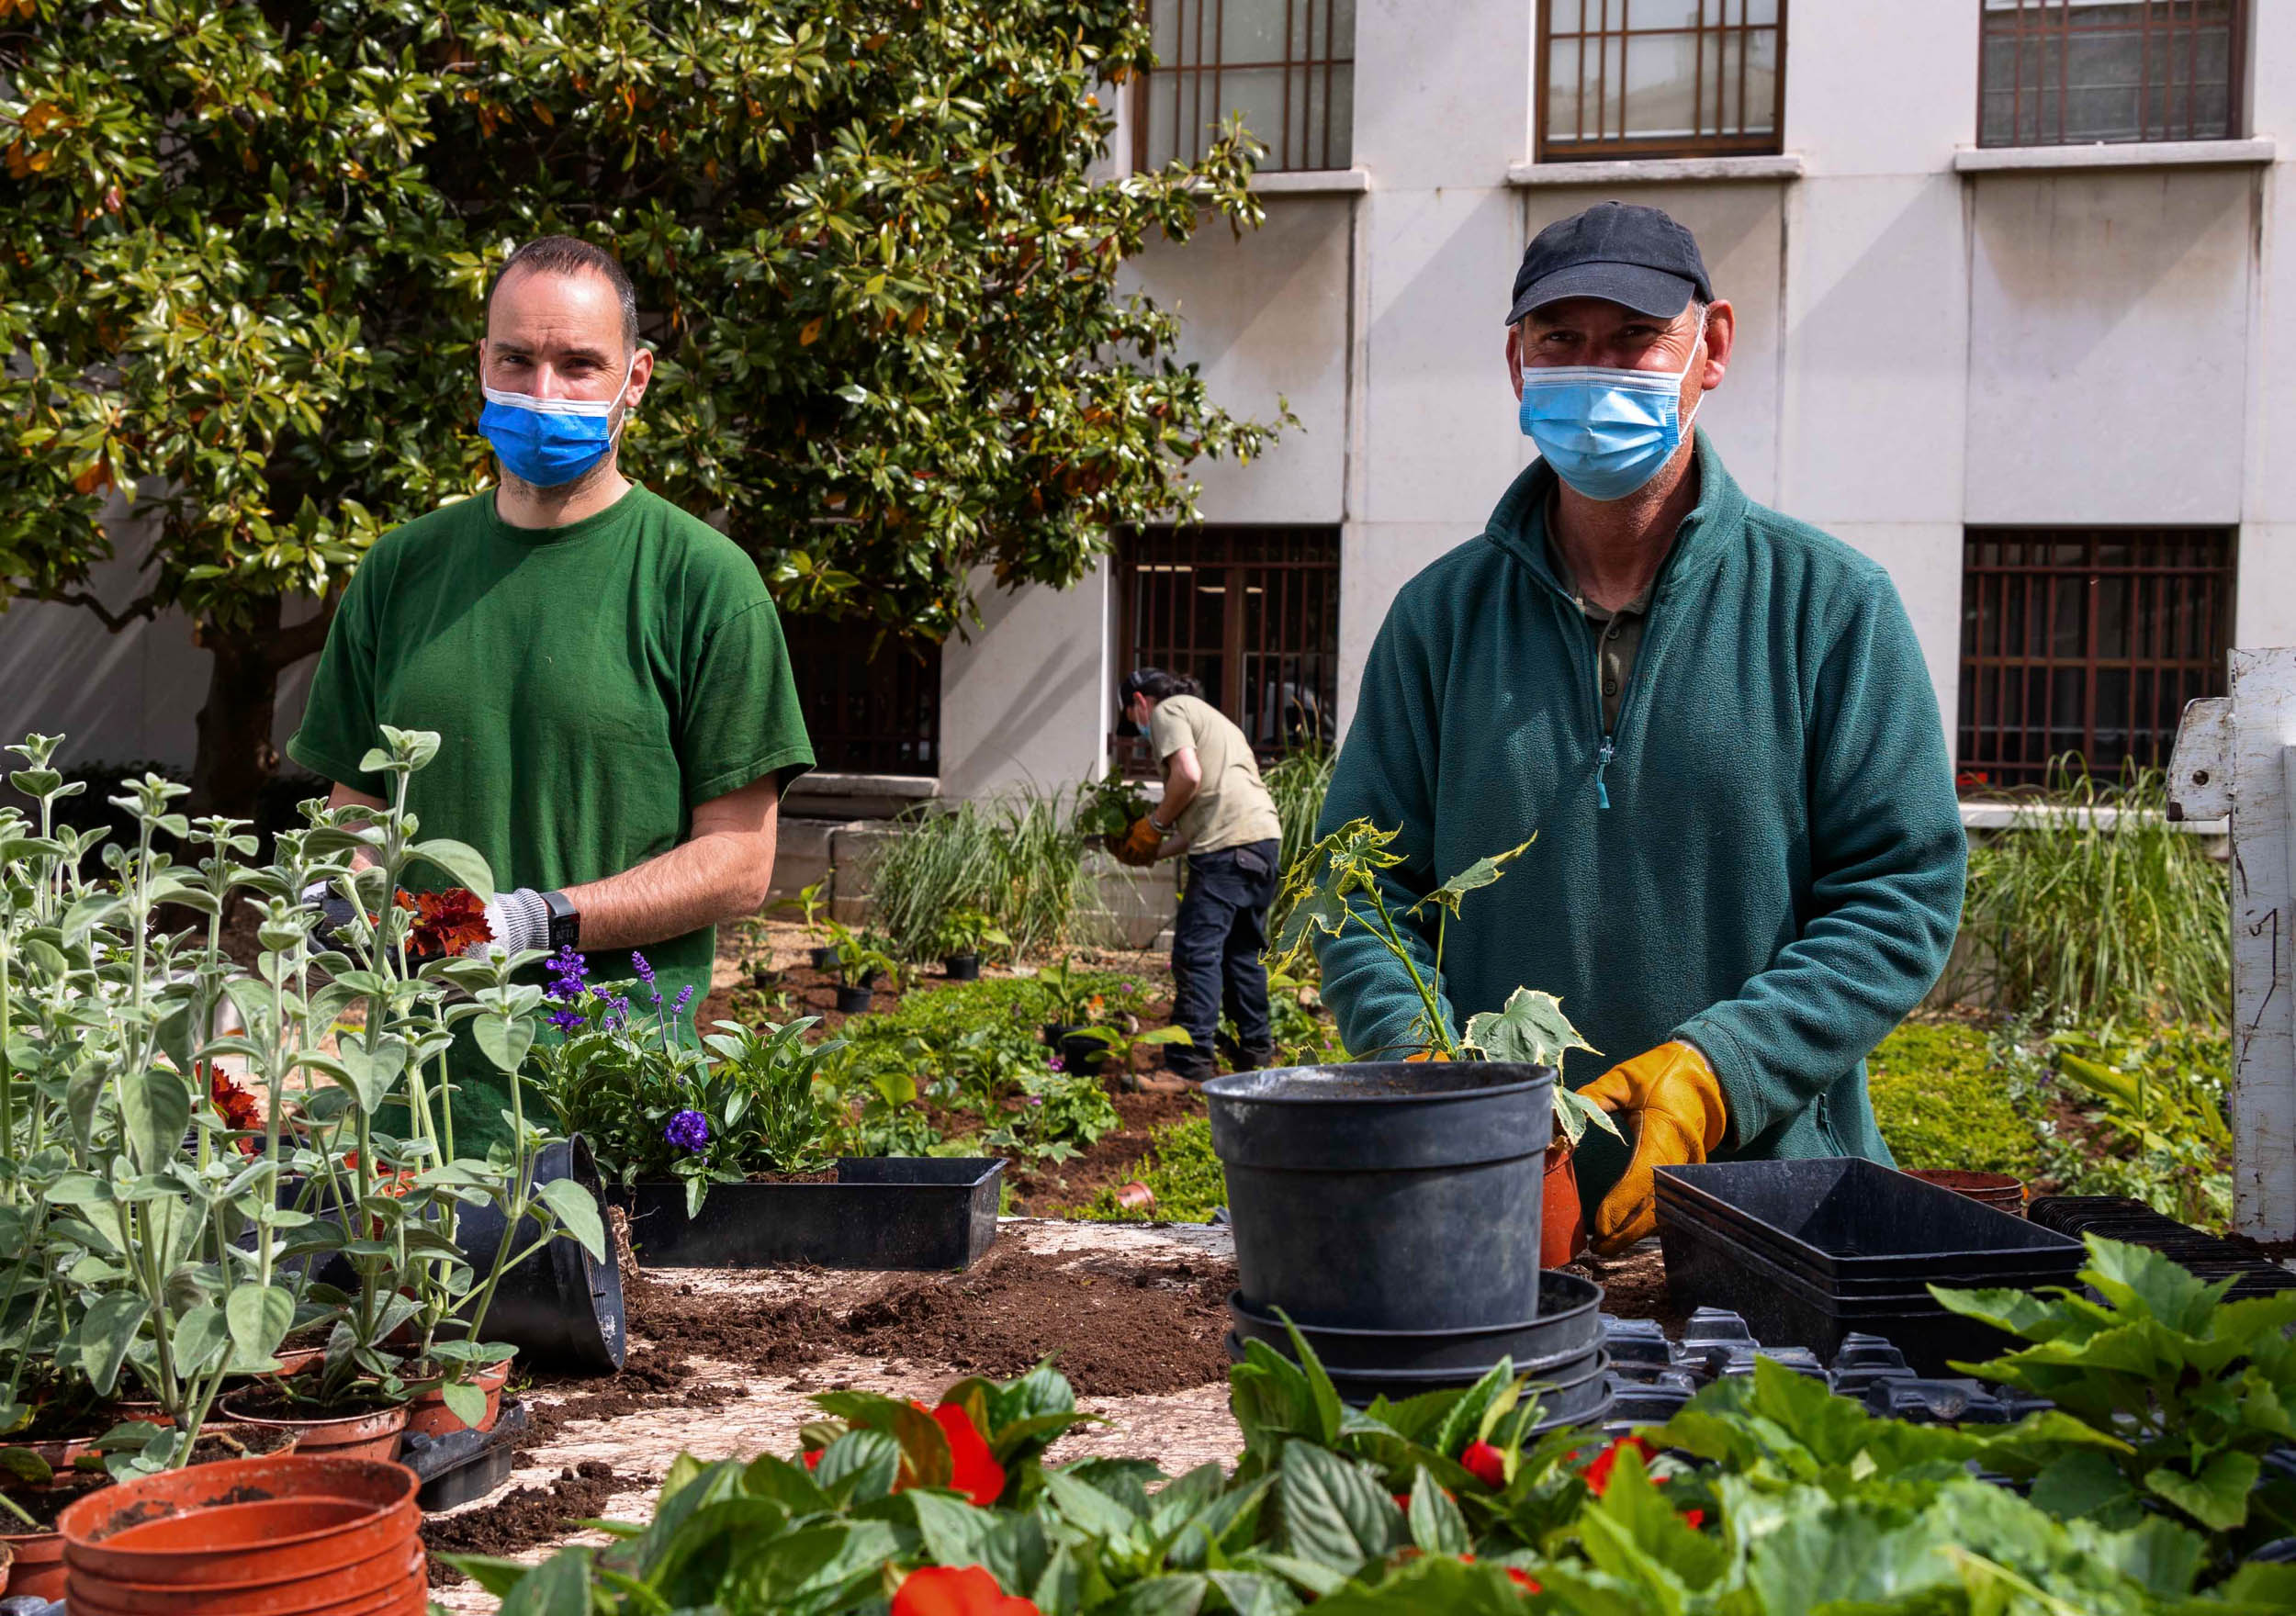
565	922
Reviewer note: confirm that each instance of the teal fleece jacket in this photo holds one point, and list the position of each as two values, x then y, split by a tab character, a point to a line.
1764	858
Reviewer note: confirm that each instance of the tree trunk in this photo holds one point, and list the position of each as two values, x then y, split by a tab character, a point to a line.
235	759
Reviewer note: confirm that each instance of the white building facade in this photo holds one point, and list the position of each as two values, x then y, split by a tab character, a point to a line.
2016	294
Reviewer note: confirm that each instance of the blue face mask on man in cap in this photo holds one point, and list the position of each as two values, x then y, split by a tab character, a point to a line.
1607	431
548	441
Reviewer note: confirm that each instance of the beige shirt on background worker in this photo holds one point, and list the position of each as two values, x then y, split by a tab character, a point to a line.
1231	809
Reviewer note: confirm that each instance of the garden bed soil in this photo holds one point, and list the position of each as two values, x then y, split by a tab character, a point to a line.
1634	1285
1114	1160
526	1517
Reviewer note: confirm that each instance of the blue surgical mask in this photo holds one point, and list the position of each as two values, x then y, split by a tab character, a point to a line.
548	441
1605	432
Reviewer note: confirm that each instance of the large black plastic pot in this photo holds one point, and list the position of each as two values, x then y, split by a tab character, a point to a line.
1387	1194
1576	1392
559	1309
962	967
1567	1331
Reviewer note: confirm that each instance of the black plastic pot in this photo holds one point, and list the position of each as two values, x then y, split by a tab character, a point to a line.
883	1212
1387	1194
962	967
853	999
764	976
1567	1331
1078	1053
465	1464
824	957
1572	1394
560	1310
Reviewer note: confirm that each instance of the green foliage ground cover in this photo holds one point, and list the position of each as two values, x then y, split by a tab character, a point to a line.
1942	1103
1182	1173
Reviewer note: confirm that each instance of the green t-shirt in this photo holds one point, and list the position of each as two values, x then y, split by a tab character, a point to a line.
589	685
1231	808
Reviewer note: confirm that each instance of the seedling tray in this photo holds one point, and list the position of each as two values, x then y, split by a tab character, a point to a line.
883	1212
1843	1217
1567	1331
1784	1309
466	1464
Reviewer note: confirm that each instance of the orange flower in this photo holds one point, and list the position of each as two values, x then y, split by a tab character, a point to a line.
957	1590
239	1109
974	1470
451	921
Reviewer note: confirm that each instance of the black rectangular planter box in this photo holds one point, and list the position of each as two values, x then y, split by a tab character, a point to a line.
883	1212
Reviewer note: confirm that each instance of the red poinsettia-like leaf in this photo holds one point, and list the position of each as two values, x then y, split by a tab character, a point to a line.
957	1590
974	1470
451	922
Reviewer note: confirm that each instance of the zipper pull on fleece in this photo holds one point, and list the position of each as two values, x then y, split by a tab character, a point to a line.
1602	762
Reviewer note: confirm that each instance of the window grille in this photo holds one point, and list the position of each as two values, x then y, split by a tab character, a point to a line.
1660	78
2086	640
1251	614
1289	66
870	708
2057	72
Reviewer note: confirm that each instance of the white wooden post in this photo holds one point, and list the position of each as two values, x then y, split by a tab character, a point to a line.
2235	758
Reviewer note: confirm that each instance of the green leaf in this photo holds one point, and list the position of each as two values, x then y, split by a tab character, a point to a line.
463	862
259	1317
467	1403
866	1461
503	1040
1331	1509
578	1211
1483	872
1158	1596
106	1331
1436	1525
1529	1029
154	1112
2217	1496
558	1586
2084	1482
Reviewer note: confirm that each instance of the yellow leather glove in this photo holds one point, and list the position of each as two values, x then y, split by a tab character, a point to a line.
1138	846
1675	1101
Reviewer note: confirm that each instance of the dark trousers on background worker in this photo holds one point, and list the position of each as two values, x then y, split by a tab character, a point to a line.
1217	940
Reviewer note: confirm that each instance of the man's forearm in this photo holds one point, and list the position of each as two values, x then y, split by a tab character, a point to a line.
696	883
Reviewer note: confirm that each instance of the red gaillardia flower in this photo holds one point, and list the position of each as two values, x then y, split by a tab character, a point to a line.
1486	1465
956	1590
973	1469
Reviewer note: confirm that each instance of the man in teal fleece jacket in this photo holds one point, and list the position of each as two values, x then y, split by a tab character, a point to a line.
1748	863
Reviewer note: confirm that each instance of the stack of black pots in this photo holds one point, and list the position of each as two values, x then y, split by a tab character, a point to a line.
1391	1210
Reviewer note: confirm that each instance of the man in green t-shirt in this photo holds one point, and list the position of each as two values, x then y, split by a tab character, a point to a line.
605	672
1217	811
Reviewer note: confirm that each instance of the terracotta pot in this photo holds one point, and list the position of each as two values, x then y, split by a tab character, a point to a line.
1991	1189
379	1583
8	1558
60	1453
38	1567
428	1415
349	1436
216	1529
1562	1227
299	1360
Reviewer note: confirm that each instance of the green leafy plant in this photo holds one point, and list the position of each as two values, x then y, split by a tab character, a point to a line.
2182	1394
1181	1173
1766	1497
2093	905
862	957
1944	1099
917	237
2152	1097
1109	806
1336	885
968	931
1056	1113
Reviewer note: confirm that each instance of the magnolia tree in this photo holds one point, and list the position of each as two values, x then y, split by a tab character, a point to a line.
250	248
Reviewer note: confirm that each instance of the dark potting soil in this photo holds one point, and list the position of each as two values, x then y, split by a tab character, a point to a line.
43	1504
826	1175
1634	1286
1116	1326
526	1516
269	1402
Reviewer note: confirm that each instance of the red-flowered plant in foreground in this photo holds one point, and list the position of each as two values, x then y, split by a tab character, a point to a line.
1598	1473
452	921
973	1469
239	1109
956	1590
1486	1465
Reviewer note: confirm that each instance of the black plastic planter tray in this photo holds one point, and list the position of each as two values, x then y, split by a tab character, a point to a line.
1783	1310
1792	1257
883	1212
1850	1218
1567	1330
2212	1257
466	1464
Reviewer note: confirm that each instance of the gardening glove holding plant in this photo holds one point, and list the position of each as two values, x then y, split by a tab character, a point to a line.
1138	845
519	920
329	912
1675	1101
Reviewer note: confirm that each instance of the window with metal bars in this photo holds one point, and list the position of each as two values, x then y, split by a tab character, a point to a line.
2087	642
1289	66
870	708
1660	78
2057	72
1251	614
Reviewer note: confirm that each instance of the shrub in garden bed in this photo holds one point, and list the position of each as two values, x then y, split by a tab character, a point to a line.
1944	1100
1767	1496
1180	1171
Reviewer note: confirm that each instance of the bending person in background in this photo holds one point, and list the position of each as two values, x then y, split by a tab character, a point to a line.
1717	720
1217	813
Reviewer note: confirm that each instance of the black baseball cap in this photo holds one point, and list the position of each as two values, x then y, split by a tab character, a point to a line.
1617	252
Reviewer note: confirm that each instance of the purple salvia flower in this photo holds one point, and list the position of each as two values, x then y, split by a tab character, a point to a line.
689	1130
569	973
566	1020
685	997
645	972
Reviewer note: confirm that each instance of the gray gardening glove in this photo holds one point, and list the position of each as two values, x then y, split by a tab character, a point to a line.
519	920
